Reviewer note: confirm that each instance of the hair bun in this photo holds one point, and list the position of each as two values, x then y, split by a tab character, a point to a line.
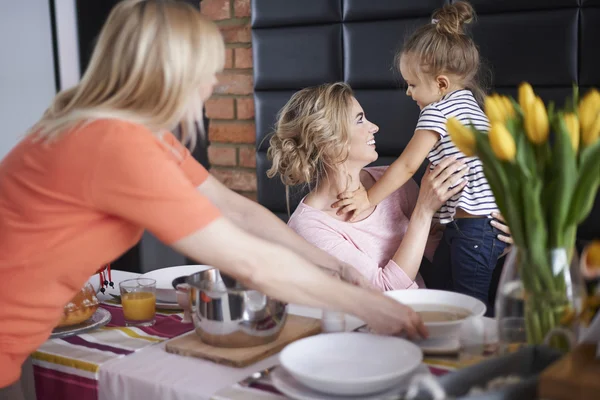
451	18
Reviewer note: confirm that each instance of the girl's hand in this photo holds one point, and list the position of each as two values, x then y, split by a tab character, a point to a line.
356	201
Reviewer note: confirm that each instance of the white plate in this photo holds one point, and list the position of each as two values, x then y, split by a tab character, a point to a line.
100	318
350	363
429	297
286	384
164	278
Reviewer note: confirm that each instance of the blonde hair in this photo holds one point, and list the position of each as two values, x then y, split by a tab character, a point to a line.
311	135
442	46
147	66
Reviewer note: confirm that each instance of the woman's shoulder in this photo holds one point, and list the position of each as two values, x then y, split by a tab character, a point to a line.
306	219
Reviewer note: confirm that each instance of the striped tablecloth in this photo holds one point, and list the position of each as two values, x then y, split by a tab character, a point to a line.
68	368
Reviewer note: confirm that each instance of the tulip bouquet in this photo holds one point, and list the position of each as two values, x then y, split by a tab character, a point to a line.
543	166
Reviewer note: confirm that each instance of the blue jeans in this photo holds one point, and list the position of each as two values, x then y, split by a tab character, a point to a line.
466	257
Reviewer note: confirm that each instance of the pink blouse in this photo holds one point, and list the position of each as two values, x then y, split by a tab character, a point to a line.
370	244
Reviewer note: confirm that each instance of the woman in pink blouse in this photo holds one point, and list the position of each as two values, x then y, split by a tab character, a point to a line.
323	139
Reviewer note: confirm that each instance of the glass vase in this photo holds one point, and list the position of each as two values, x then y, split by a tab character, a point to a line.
540	293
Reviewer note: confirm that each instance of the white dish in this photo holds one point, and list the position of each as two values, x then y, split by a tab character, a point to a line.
350	363
165	293
286	384
100	318
419	297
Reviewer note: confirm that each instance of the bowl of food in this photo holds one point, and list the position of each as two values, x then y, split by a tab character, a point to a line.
442	312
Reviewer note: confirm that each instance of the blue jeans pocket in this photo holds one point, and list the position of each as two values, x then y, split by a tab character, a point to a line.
470	228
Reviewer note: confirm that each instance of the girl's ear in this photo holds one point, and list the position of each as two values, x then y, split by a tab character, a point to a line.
443	83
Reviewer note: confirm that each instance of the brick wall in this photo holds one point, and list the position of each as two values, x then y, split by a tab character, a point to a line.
231	108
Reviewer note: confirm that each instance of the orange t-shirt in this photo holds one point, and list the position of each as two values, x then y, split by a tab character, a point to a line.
73	205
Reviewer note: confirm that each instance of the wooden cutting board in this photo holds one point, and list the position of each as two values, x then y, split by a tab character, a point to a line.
295	328
575	376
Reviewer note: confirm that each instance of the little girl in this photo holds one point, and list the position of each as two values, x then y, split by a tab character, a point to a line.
439	62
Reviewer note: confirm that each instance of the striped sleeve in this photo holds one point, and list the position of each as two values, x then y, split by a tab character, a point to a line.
432	119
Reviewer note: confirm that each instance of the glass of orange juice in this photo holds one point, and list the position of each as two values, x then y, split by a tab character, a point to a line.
138	298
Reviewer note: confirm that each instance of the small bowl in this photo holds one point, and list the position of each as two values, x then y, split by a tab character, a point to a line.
429	300
165	292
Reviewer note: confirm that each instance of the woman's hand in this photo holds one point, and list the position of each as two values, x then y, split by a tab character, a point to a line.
389	317
499	223
441	183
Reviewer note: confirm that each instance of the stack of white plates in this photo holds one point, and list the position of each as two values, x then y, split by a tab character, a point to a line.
347	365
166	295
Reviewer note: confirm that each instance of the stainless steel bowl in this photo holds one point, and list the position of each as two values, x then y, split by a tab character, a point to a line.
226	314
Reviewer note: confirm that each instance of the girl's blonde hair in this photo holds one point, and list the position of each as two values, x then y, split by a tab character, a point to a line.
443	47
311	135
147	67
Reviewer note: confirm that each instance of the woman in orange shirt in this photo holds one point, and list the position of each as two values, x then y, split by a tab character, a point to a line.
101	166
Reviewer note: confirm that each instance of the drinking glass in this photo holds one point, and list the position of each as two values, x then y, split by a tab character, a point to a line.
478	338
138	298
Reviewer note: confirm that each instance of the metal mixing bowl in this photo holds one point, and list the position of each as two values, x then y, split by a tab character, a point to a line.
226	314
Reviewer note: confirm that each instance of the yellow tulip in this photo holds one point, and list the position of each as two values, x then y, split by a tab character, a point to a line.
462	137
508	106
589	116
537	126
572	124
494	109
502	143
526	96
498	108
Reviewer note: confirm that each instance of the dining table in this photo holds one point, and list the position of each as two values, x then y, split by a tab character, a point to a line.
118	362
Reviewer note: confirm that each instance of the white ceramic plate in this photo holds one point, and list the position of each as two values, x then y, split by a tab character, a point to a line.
350	363
164	278
286	384
100	318
433	298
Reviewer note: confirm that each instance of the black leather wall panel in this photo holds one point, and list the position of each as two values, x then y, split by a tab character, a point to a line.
269	13
492	6
361	10
590	46
590	3
299	43
539	47
368	63
267	105
292	58
395	114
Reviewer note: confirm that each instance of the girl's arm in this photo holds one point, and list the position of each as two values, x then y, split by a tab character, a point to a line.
394	177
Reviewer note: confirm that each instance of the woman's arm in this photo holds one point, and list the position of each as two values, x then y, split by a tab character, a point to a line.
401	170
276	271
435	191
388	277
257	220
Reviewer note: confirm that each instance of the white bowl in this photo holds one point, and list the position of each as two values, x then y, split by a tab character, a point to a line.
164	277
428	299
350	363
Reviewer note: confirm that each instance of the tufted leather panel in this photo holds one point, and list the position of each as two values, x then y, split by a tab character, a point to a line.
270	13
361	10
297	43
311	54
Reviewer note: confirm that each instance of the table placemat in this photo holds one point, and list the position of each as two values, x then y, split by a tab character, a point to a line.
67	368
